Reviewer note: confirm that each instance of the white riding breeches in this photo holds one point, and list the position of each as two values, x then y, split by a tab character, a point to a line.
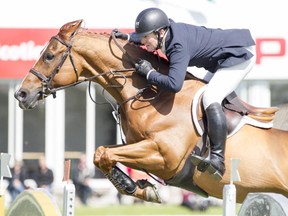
225	80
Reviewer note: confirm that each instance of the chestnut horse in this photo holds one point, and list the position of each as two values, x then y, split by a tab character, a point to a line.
157	125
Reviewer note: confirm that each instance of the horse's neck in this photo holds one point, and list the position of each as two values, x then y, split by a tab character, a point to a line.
102	56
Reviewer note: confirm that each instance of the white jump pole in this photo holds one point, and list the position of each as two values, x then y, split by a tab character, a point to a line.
229	190
69	191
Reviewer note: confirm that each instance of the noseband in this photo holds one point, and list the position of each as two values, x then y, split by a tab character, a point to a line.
47	87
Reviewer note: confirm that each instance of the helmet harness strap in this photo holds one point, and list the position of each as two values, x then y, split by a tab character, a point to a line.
159	44
160	39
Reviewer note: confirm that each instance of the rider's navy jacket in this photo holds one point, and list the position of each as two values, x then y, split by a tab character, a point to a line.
189	45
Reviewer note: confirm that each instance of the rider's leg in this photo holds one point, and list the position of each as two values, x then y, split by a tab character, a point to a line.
223	82
217	133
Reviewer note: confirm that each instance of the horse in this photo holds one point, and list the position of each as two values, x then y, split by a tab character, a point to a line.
158	126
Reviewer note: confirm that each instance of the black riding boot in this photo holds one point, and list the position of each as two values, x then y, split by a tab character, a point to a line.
217	133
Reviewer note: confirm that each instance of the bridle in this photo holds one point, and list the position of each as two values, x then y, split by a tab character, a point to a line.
47	87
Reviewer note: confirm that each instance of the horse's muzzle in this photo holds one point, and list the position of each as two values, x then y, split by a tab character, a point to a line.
26	99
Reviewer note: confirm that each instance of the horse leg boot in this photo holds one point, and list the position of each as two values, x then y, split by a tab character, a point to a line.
217	132
125	185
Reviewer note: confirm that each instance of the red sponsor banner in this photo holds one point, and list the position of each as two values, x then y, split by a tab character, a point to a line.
20	49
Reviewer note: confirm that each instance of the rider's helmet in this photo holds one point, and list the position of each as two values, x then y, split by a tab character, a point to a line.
150	20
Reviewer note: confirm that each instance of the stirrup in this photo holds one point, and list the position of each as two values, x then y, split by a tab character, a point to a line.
150	191
204	164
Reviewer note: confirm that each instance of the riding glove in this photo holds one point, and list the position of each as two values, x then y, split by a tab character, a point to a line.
144	67
120	35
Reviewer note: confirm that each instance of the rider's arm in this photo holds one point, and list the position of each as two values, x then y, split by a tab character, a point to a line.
173	81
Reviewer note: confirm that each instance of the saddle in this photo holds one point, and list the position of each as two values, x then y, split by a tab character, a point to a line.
237	112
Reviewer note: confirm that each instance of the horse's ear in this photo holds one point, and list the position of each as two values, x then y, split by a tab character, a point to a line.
69	29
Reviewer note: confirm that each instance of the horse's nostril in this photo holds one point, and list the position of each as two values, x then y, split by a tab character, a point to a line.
20	95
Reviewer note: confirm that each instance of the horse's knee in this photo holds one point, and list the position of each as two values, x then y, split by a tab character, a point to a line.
103	159
97	156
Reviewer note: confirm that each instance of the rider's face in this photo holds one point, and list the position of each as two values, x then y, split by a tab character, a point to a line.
150	41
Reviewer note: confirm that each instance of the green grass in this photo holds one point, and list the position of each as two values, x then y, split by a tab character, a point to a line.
144	209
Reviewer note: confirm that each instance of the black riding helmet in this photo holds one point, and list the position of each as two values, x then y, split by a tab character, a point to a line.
150	20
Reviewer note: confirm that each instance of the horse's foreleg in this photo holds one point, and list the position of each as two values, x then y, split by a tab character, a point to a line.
142	189
142	155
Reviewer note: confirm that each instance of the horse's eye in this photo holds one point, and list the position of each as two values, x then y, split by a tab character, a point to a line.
48	56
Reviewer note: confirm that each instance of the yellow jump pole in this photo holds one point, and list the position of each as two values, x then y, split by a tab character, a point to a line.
2	199
4	172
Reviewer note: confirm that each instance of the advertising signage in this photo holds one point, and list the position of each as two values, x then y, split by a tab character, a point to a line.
20	48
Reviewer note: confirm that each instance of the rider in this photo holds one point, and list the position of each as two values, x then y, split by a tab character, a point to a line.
226	55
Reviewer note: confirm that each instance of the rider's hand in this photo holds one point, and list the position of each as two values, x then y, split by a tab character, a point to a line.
143	67
120	35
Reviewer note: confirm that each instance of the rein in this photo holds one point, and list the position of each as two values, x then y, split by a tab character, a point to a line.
121	48
47	87
116	112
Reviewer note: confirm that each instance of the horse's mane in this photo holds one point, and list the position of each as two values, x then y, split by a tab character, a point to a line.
141	50
138	51
93	33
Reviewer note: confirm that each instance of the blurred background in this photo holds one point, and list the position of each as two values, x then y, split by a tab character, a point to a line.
72	126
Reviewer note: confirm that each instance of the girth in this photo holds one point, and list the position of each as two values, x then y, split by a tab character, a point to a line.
184	179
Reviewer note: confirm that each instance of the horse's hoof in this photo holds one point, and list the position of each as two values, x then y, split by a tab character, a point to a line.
151	195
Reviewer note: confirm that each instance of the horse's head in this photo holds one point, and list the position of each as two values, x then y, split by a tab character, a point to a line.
52	70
